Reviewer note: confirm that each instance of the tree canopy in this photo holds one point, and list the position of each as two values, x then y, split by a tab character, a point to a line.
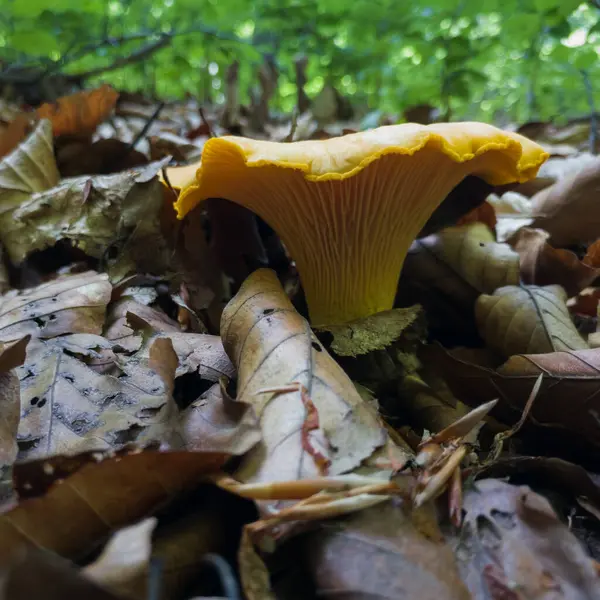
495	60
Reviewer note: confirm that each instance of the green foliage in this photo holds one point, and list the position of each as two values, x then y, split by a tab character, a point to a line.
497	60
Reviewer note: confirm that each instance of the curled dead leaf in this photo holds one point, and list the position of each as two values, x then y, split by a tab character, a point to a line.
527	320
512	539
28	169
106	492
81	112
568	210
542	264
567	406
277	355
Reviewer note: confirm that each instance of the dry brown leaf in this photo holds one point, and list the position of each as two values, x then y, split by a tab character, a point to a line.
125	557
512	545
28	169
69	407
11	356
513	211
81	112
105	493
592	256
11	136
567	400
527	320
446	272
181	547
29	573
106	216
484	213
542	264
470	254
405	553
69	304
568	210
273	347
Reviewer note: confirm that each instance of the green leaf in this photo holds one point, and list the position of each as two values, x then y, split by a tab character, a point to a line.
585	58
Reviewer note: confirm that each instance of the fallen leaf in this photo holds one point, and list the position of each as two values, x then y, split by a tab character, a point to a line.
568	210
446	272
184	545
125	557
585	303
81	112
484	213
512	545
106	216
69	407
469	254
28	169
592	256
567	405
569	479
274	348
405	551
69	304
11	356
513	211
542	264
75	157
216	423
105	493
374	332
29	573
527	320
11	136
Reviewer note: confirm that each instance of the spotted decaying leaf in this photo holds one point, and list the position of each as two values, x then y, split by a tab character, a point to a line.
277	357
68	407
512	545
405	551
527	320
65	305
103	492
81	112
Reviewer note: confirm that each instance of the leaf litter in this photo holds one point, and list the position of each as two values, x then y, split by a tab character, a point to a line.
143	357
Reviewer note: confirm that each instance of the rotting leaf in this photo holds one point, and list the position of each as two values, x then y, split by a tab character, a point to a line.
68	304
81	112
217	423
105	493
484	213
473	256
512	545
513	211
405	551
568	210
28	169
16	131
527	320
273	347
375	332
542	264
28	573
446	272
125	557
567	401
69	407
119	212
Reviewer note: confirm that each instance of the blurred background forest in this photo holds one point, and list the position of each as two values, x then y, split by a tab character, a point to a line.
500	61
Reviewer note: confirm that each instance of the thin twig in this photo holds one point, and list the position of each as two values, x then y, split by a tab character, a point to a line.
589	92
146	127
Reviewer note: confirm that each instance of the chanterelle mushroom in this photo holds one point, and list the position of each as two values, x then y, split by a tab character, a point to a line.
348	208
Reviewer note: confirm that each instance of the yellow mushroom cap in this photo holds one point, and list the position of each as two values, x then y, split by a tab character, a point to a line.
348	208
